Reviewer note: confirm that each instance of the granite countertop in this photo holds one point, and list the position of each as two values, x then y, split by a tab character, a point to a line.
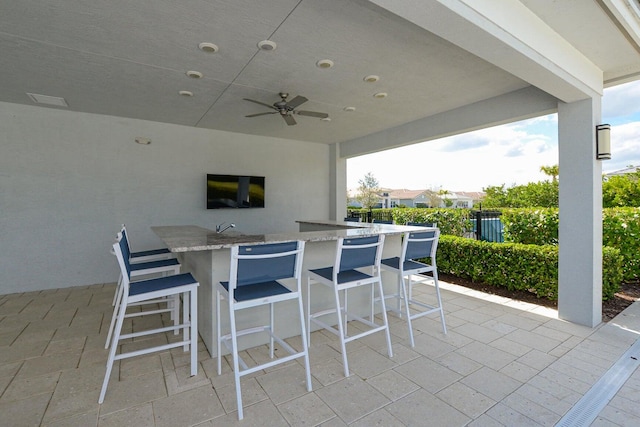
185	238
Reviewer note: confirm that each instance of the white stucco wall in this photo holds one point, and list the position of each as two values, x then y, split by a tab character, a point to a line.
68	180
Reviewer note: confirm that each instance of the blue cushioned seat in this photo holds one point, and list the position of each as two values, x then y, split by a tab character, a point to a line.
160	284
257	290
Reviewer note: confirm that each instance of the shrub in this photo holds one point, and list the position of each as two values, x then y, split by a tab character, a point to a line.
531	268
621	230
453	222
531	226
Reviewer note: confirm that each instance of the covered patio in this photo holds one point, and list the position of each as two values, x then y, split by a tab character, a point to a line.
503	363
114	112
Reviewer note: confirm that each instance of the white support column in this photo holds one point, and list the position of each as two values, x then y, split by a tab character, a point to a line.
337	183
580	234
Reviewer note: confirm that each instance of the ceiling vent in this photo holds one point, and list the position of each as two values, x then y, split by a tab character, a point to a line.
48	100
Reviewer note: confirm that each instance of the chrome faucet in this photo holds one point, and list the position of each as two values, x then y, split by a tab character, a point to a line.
219	228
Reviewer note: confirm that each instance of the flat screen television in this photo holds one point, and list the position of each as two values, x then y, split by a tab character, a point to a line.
235	191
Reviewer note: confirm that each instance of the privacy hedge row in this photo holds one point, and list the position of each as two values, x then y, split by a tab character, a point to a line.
532	268
539	226
620	230
453	222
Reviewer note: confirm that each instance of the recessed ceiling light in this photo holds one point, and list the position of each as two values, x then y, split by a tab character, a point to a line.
194	74
380	95
371	79
324	63
208	47
185	93
326	119
48	100
143	141
349	109
267	45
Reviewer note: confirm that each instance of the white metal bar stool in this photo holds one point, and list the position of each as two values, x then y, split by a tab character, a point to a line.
257	274
151	289
161	266
416	245
357	263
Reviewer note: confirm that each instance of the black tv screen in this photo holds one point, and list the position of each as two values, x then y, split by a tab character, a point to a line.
235	191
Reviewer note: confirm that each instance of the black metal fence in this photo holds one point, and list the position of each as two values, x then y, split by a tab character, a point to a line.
371	216
487	226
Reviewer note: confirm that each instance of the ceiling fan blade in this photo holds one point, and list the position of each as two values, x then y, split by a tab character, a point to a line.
260	103
262	114
312	114
298	100
289	119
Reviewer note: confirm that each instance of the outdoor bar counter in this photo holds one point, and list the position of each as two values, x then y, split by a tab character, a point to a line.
205	253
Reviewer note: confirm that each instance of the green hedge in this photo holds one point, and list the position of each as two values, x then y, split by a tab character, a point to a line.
453	222
620	230
530	226
532	268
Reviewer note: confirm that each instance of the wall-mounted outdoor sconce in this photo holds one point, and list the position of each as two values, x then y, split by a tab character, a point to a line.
603	142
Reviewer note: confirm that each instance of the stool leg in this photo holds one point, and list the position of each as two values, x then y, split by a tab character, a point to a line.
185	318
114	346
341	330
272	328
386	320
308	311
193	330
218	332
406	304
305	345
236	365
116	309
435	277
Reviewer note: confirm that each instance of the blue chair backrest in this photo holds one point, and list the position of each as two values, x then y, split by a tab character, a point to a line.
423	224
254	269
381	221
124	249
359	252
420	249
349	219
126	253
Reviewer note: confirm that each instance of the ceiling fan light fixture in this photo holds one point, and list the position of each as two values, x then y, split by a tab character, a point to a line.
186	93
371	78
349	109
380	95
208	47
324	63
326	119
267	45
194	74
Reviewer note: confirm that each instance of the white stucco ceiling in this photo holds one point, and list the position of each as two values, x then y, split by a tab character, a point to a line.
129	58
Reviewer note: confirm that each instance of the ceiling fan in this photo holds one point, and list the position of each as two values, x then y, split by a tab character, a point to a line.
287	109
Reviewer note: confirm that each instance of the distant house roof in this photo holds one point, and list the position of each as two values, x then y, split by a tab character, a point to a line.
630	169
474	195
405	194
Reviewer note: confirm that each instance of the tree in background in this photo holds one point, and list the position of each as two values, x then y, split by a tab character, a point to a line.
552	171
447	201
368	190
543	194
621	190
434	197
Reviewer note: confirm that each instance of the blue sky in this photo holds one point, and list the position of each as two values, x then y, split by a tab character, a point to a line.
509	154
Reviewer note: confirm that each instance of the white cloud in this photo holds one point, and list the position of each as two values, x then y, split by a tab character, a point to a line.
621	101
508	154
